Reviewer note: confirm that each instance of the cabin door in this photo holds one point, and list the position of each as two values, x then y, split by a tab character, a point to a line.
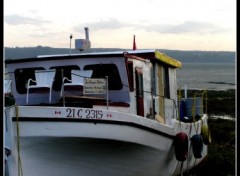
139	91
161	92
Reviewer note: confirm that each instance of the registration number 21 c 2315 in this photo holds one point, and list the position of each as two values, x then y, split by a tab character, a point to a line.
84	113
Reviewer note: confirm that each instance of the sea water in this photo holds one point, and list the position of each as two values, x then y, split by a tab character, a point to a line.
216	76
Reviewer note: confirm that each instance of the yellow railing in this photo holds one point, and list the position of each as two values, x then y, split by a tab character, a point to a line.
179	96
203	98
194	102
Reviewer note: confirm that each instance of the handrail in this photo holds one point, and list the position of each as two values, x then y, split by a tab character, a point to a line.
204	101
202	95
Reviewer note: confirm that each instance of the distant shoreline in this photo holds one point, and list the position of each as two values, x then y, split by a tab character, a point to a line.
184	56
211	89
213	82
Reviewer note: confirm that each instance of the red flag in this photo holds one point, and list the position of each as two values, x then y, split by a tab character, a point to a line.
134	43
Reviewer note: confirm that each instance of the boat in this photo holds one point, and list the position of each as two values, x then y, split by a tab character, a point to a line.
102	113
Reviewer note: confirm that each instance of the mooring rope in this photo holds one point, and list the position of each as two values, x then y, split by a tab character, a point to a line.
181	171
20	172
175	171
190	148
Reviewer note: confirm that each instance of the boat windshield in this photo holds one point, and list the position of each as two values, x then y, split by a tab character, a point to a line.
110	70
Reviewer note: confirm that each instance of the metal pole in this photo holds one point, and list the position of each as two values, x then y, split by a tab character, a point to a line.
185	88
63	96
70	44
153	104
107	90
179	101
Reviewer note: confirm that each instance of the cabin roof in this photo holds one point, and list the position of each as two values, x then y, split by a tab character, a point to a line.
167	60
145	54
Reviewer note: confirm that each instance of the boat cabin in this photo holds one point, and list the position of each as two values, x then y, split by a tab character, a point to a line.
141	82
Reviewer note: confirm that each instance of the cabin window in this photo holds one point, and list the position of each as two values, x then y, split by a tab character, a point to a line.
139	82
130	75
110	70
166	82
62	71
22	76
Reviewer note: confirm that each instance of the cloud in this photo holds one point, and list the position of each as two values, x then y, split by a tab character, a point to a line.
187	27
41	35
108	24
195	27
18	20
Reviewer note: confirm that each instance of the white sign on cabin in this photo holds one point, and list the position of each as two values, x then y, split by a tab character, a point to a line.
94	86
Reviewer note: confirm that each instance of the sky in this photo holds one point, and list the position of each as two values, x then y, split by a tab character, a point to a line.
157	24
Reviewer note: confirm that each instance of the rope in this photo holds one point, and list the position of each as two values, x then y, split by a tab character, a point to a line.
8	73
181	171
150	92
6	124
174	173
190	148
179	100
110	78
20	172
193	109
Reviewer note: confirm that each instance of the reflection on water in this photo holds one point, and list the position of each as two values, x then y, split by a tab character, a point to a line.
225	117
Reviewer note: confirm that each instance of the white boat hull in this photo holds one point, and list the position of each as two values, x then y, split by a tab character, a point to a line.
88	157
96	147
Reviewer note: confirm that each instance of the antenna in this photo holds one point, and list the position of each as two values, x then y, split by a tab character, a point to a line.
70	44
86	33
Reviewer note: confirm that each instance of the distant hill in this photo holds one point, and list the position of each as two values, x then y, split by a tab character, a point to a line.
183	56
201	56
